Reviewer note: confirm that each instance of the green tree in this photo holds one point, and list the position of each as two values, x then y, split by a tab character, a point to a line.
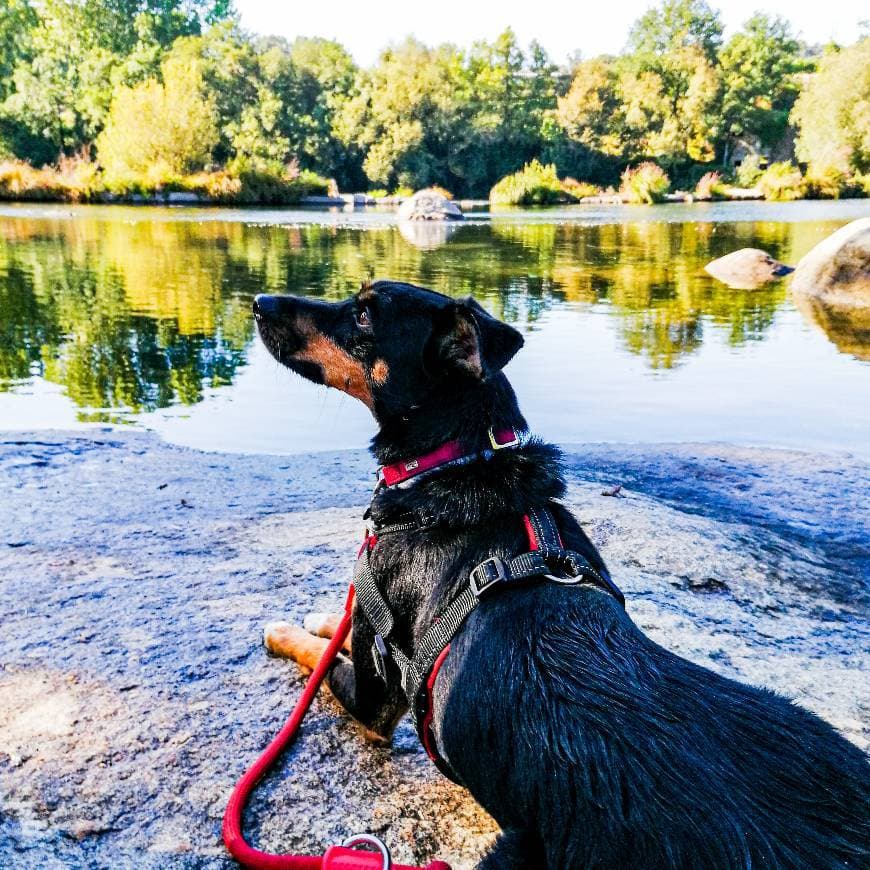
677	25
759	67
167	127
832	113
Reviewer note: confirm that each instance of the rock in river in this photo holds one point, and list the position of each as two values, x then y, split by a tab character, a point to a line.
837	270
747	269
429	205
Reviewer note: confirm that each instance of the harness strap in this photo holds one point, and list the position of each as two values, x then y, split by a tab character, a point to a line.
546	559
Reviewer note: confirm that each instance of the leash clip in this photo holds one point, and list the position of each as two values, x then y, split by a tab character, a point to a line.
370	840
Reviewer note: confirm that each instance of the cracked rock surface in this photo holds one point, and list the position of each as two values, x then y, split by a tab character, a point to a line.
136	577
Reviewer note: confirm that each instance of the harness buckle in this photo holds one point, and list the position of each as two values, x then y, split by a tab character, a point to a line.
380	654
485	575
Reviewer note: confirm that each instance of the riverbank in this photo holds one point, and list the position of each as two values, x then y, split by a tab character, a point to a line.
135	579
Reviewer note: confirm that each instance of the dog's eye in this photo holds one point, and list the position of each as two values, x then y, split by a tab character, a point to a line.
364	318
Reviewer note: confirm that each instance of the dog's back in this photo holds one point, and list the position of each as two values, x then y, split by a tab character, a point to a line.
617	753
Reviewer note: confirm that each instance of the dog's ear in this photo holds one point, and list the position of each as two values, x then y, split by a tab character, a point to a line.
469	340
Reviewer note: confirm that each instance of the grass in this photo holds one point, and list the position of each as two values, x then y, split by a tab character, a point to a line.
711	186
646	183
534	184
78	179
781	182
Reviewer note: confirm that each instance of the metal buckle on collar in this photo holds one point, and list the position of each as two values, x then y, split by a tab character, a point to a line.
487	574
514	442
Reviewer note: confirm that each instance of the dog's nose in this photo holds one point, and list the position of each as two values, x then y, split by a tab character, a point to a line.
265	304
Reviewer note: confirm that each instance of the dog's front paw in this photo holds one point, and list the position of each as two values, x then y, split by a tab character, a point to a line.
293	642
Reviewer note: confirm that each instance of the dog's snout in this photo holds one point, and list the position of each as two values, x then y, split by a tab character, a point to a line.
265	304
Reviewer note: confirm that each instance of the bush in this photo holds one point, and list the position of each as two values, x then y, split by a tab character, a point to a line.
75	179
781	182
710	186
274	184
579	189
165	128
749	171
830	182
646	183
534	184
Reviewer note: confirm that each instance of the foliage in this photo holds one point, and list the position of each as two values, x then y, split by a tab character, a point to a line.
759	78
830	182
167	127
832	113
710	186
76	73
646	183
781	181
534	184
579	189
749	171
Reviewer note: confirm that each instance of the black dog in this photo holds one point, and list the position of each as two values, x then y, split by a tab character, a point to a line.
588	743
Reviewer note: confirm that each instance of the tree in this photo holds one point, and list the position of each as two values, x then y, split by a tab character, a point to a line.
167	127
670	82
832	113
759	67
677	25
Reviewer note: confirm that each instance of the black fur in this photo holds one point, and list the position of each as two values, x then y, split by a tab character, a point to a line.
592	746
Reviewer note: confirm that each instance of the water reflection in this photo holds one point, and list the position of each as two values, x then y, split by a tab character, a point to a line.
133	315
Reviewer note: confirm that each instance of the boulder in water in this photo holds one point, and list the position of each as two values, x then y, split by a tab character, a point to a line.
747	269
429	205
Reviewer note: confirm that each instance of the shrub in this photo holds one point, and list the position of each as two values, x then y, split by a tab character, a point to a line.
534	184
749	171
830	182
165	128
782	182
404	191
75	179
710	186
579	189
441	190
378	193
646	183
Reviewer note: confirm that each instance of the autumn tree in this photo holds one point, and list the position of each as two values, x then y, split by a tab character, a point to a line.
832	113
759	81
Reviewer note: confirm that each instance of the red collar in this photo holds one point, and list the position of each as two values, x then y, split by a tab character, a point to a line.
452	451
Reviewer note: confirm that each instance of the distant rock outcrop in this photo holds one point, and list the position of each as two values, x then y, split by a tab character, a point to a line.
836	271
429	205
747	269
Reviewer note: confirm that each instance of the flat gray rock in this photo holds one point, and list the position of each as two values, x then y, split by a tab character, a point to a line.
429	205
136	577
747	269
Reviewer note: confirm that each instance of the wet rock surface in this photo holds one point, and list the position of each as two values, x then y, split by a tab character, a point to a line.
429	205
135	579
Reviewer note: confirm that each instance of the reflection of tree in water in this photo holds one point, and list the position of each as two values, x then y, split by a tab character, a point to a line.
133	313
69	303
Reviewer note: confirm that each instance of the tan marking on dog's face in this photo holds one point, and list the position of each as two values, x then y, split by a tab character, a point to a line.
340	369
366	292
380	372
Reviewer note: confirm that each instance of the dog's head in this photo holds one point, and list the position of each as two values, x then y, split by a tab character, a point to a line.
393	346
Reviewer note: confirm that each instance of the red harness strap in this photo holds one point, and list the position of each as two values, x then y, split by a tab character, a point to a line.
427	735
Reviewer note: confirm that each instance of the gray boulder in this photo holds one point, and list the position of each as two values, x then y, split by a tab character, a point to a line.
429	205
747	269
836	271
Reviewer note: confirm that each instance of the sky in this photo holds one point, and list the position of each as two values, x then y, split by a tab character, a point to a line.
364	27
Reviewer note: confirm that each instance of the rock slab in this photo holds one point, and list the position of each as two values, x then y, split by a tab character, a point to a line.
136	577
747	269
837	270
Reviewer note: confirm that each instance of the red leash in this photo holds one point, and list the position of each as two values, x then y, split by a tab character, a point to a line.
336	857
